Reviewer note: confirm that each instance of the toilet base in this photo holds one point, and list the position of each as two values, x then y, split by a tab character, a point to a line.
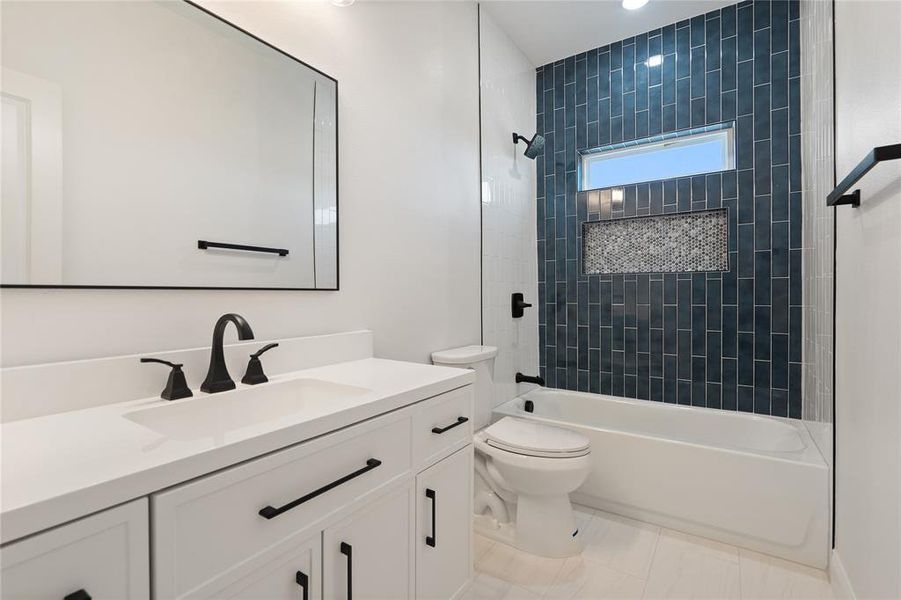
548	530
546	526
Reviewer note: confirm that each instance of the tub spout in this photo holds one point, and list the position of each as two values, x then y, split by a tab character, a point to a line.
537	379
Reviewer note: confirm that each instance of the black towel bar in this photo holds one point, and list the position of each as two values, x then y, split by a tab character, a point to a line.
838	196
204	244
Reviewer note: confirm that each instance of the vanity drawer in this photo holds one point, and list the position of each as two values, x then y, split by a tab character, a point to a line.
206	530
442	424
106	555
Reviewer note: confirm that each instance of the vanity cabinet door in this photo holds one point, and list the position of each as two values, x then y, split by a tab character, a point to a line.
102	557
293	575
444	527
369	554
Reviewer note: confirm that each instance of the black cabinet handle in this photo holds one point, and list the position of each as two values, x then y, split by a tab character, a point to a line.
347	551
460	421
303	581
80	594
269	512
431	540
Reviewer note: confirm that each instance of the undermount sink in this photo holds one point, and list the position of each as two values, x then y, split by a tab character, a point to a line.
217	414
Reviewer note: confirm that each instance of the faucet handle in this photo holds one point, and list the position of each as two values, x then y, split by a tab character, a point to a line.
176	386
254	373
265	348
162	362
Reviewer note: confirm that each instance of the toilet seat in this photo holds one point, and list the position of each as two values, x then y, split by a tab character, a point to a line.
530	438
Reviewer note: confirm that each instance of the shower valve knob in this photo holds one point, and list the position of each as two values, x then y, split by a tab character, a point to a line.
517	304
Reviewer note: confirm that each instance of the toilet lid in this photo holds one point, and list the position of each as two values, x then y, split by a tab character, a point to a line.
524	436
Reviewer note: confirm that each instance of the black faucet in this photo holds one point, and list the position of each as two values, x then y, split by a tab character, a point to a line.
217	378
520	378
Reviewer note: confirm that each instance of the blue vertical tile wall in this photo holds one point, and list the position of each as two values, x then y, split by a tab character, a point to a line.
729	340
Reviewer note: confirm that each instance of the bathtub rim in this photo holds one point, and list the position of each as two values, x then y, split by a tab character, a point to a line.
809	455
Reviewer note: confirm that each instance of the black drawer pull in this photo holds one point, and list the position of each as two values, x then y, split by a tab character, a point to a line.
269	512
79	595
431	540
460	421
303	581
347	551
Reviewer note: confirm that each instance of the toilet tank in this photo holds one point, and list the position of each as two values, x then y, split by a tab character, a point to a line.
481	360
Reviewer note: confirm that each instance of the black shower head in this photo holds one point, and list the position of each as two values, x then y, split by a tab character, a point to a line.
534	147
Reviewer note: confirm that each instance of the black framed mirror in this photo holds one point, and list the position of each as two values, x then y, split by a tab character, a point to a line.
156	145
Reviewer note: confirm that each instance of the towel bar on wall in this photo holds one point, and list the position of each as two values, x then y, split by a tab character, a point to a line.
838	196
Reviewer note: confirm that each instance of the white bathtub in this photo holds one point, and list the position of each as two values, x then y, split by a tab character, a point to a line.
756	482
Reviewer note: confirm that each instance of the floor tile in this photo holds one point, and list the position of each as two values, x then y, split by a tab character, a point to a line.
623	544
516	593
686	566
527	571
486	587
619	550
767	577
480	546
581	579
584	515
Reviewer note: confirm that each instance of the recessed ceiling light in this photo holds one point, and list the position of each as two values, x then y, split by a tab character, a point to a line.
654	61
349	2
633	4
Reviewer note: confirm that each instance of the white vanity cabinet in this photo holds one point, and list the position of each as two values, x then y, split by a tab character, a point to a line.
443	537
211	531
101	557
346	510
379	508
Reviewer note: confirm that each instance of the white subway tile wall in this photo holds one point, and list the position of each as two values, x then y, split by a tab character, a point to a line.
818	220
508	208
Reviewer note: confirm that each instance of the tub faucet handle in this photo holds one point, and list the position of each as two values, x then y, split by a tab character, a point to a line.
517	304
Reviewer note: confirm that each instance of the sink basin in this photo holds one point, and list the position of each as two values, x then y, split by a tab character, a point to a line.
214	415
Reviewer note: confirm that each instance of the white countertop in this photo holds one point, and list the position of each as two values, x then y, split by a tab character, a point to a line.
60	467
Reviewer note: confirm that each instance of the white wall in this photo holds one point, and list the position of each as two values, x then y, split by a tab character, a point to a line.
509	246
409	201
868	301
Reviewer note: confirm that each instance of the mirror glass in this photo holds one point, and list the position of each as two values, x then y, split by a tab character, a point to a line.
152	144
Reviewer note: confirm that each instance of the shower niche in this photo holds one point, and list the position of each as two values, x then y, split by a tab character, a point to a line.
675	243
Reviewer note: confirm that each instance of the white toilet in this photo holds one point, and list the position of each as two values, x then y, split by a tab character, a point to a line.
523	468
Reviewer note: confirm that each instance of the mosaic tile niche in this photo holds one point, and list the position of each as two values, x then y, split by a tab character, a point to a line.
682	243
728	338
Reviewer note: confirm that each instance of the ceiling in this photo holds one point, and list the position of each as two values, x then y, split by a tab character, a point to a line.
548	30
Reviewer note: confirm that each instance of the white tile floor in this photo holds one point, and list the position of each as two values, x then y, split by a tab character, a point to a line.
630	559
